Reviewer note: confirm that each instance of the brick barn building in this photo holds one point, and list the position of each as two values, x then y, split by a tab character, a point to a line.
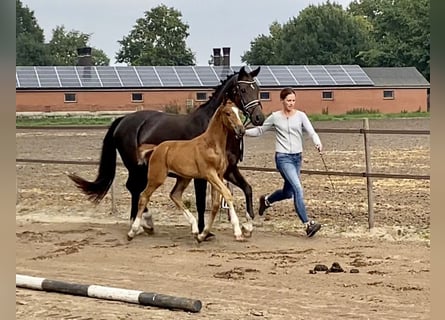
332	89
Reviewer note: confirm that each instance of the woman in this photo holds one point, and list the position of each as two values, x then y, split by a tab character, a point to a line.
289	124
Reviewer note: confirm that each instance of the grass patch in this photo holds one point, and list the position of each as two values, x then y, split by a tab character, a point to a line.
372	115
73	120
62	121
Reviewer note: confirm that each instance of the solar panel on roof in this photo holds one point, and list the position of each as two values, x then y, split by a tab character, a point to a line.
168	76
47	77
128	76
148	76
267	78
207	76
283	75
88	76
302	75
357	75
339	75
187	76
68	76
224	71
108	77
27	77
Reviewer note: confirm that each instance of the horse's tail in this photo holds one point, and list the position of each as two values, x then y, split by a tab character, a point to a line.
97	189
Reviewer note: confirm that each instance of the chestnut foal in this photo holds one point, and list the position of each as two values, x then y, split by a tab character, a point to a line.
203	157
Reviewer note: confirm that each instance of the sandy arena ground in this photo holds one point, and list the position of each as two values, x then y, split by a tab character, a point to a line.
60	235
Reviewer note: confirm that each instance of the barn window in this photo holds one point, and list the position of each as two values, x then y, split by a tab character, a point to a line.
70	97
327	95
136	97
388	94
264	95
201	96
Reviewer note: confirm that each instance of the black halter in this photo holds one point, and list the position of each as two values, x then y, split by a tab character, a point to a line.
246	106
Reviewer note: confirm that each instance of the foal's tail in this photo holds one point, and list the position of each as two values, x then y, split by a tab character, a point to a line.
97	189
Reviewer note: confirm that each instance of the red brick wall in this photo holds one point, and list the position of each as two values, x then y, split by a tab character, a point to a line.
309	100
349	99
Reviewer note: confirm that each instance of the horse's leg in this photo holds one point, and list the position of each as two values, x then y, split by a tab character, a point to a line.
234	176
217	183
176	196
200	196
156	178
136	183
216	202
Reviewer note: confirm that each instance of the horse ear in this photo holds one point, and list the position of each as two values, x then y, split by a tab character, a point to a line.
255	72
242	71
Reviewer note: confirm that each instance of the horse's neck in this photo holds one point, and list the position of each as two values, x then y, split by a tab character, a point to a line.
216	134
207	110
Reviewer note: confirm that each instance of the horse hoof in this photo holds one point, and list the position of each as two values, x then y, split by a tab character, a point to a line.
129	238
148	230
246	232
209	236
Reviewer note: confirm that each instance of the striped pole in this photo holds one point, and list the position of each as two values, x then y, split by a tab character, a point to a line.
108	293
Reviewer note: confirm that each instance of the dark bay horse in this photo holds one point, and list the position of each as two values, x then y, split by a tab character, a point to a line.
203	157
153	127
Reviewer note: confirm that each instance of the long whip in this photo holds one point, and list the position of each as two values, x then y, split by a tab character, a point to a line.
326	168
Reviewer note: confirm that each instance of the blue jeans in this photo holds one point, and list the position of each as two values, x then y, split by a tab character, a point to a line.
289	166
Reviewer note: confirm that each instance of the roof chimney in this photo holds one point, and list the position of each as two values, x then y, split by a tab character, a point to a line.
84	57
226	56
217	56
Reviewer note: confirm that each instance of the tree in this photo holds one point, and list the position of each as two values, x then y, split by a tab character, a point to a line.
263	48
157	39
400	32
30	40
64	44
322	34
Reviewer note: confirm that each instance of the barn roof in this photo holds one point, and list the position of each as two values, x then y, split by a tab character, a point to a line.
396	77
204	77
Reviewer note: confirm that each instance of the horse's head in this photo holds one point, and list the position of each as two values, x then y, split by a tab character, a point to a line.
230	119
245	94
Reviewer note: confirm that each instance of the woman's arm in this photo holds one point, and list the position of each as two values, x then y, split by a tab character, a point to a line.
258	131
307	125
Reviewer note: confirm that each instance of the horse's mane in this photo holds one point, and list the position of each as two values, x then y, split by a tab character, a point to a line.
218	90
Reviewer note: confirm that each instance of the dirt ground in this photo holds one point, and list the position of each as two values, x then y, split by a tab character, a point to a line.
60	235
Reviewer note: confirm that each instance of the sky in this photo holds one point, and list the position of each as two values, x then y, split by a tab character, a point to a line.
212	23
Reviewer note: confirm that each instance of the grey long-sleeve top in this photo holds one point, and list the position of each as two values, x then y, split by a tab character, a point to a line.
288	131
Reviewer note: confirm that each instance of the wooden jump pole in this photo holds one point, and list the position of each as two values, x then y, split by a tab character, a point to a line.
368	178
108	293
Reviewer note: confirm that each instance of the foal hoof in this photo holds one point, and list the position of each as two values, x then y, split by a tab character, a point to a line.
200	237
240	238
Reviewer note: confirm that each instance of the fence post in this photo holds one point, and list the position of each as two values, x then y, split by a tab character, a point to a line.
113	200
368	178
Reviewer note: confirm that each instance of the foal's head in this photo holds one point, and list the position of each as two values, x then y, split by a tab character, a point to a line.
229	116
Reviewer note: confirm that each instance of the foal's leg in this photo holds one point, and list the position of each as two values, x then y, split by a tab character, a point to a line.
233	175
176	196
219	185
216	202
